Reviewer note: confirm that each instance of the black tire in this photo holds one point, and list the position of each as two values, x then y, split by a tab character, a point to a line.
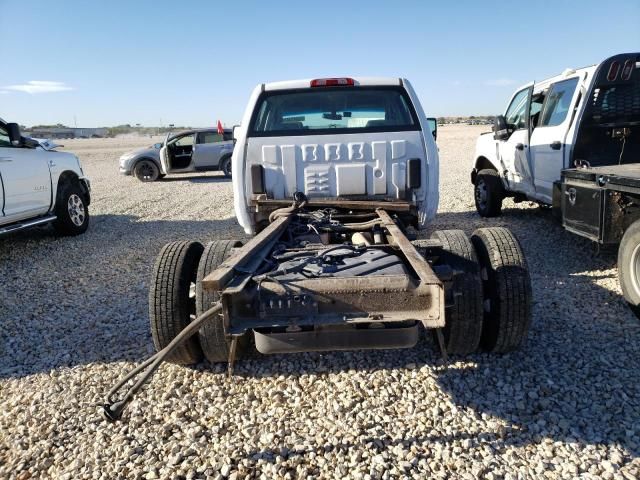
213	338
507	289
629	267
146	170
488	193
225	166
463	327
72	211
170	303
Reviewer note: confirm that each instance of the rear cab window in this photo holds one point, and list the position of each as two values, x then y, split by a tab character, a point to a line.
331	111
558	102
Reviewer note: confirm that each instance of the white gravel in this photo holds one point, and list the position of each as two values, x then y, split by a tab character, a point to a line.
73	313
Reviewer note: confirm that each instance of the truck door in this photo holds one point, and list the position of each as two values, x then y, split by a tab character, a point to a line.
549	136
164	156
514	152
25	179
207	150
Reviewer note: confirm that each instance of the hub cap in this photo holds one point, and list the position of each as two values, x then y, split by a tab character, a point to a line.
146	170
75	207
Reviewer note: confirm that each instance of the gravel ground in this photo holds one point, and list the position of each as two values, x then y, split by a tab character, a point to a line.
74	319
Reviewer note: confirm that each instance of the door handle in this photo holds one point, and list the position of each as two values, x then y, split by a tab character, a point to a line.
556	145
6	159
519	146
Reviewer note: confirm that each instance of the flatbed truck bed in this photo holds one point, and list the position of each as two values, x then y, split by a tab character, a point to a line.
600	203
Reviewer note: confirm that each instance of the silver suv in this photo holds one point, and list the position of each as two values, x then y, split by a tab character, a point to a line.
184	152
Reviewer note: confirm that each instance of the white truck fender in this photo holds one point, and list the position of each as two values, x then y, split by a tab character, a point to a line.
238	163
431	196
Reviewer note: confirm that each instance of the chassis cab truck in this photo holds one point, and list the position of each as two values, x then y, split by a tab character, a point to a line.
573	142
330	178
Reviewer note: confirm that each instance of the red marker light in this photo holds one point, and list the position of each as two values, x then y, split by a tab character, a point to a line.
333	82
613	71
627	69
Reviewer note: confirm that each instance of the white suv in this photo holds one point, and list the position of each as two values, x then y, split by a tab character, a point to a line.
39	185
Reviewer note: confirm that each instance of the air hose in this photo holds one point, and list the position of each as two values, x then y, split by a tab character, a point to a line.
112	409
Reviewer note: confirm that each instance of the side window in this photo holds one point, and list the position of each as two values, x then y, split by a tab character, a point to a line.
536	106
4	137
184	141
558	102
209	137
517	111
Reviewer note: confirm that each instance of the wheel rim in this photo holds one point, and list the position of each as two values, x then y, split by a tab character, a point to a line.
481	194
146	170
634	266
75	207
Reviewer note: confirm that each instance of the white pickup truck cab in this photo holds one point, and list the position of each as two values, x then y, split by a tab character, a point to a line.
539	134
39	185
279	153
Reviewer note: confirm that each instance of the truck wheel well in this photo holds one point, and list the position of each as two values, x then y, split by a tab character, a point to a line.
65	177
145	158
482	163
69	176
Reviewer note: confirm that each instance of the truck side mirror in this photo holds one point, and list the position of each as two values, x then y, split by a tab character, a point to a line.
433	126
500	129
236	131
13	129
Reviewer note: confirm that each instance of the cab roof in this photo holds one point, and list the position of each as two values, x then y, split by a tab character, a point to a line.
306	83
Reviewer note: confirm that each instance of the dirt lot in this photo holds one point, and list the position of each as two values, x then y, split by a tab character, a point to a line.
73	313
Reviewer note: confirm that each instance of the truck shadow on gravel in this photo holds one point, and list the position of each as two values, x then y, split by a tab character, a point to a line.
69	302
73	301
575	380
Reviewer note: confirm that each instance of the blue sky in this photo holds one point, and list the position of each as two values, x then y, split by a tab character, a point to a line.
193	62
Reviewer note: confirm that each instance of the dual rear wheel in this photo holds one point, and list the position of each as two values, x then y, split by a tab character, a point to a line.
489	304
176	298
488	307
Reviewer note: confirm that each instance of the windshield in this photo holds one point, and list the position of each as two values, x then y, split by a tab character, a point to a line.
333	110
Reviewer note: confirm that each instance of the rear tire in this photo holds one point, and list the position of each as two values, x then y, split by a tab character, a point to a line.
488	193
225	166
72	211
170	302
629	266
146	171
463	322
213	338
507	289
